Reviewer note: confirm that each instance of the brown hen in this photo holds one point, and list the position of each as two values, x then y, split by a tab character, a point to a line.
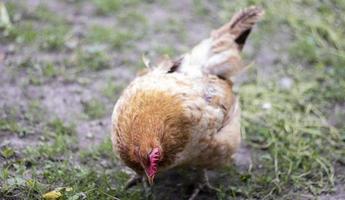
183	112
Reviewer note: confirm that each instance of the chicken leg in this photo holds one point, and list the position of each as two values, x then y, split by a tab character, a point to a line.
204	184
135	180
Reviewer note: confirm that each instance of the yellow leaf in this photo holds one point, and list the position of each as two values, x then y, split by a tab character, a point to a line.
53	195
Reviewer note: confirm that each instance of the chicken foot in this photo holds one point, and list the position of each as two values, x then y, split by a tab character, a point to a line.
136	179
203	185
147	188
133	181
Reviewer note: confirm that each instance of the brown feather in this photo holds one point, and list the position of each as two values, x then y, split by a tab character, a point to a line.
240	25
151	119
227	42
185	108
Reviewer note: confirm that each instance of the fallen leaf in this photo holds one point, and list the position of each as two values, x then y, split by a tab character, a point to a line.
53	195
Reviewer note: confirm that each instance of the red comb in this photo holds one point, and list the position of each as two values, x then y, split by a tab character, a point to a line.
154	158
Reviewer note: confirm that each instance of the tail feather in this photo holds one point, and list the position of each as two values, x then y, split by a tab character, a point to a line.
220	54
240	25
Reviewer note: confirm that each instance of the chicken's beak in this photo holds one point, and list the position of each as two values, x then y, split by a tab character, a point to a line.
150	179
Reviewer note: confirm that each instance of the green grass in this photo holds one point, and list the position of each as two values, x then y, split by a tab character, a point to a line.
49	37
291	133
7	152
293	139
42	27
81	179
50	169
38	72
9	125
92	58
17	122
111	36
112	6
296	133
99	153
94	109
111	90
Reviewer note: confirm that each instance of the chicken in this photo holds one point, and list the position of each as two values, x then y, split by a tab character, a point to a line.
183	112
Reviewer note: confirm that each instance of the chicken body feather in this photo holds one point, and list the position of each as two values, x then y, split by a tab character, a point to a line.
185	109
202	106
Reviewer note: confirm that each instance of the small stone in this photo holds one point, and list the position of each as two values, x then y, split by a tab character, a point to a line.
127	170
72	43
5	143
266	106
104	163
89	136
42	138
286	83
11	49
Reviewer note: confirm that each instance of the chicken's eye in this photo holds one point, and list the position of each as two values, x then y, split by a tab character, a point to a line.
147	161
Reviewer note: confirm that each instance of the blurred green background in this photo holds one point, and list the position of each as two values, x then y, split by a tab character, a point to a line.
63	63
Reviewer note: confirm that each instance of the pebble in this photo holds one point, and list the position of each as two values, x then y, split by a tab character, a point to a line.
286	83
89	136
266	106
